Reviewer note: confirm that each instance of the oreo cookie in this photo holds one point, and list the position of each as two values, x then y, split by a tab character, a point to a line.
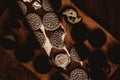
40	37
82	51
97	59
34	21
23	7
79	32
42	64
24	53
97	38
56	4
34	42
46	5
50	21
78	74
74	54
62	60
56	39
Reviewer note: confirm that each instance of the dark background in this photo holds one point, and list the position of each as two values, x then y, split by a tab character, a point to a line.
105	12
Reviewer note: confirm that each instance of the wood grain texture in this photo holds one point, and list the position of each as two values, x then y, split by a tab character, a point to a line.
89	22
105	12
10	69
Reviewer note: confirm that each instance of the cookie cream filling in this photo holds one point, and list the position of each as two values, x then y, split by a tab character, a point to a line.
62	60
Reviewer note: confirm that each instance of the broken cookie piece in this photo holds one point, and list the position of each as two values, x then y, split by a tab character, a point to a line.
71	15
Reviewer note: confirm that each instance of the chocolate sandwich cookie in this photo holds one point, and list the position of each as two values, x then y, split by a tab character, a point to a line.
71	15
50	21
56	4
23	7
40	37
82	51
34	21
97	59
79	32
74	54
57	39
24	53
78	74
46	5
97	38
61	60
42	64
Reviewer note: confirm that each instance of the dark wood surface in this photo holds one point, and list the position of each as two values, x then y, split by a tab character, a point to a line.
105	12
10	69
